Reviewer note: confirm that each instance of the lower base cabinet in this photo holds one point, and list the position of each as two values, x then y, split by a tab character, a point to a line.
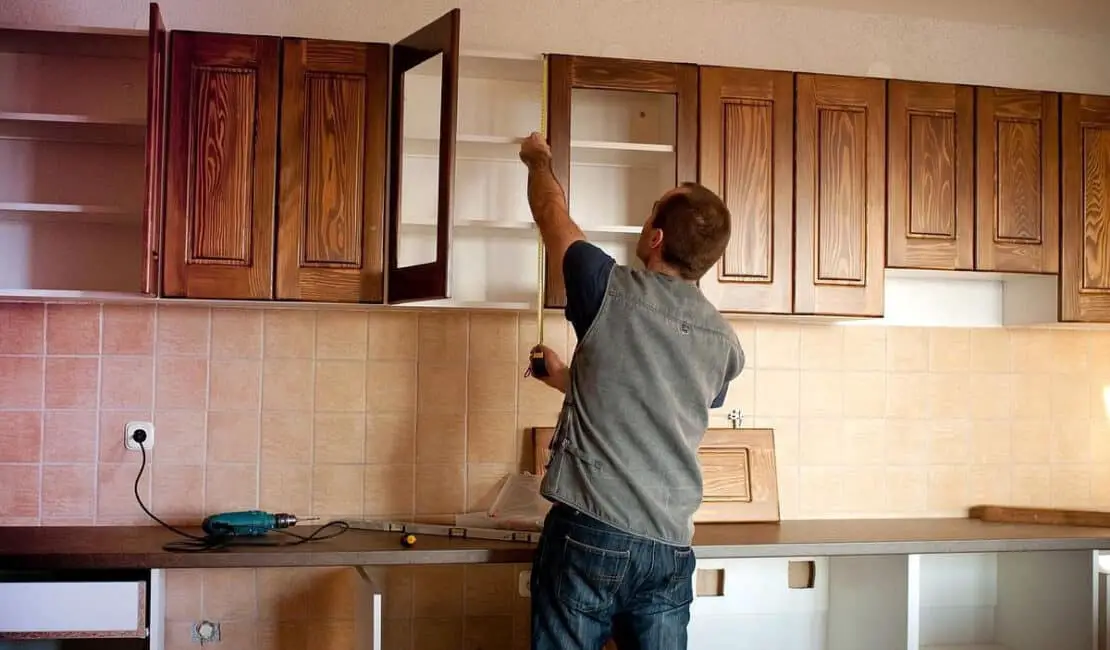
961	601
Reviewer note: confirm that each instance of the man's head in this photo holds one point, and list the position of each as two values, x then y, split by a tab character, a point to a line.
686	233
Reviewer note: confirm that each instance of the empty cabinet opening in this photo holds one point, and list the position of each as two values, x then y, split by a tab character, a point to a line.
1005	601
709	583
853	603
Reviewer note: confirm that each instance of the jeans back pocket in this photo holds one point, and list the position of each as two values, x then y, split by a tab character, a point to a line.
589	576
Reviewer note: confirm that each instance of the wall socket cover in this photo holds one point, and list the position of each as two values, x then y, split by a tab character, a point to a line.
129	432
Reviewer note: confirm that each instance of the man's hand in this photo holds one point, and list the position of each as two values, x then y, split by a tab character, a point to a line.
535	152
558	374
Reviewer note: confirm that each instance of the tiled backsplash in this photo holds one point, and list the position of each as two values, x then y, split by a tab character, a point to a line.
392	413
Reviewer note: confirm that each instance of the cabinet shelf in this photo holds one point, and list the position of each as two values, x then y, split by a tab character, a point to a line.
583	152
68	118
69	212
522	227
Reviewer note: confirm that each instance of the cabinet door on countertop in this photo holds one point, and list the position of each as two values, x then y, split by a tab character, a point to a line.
221	167
747	157
1018	150
840	193
331	211
931	181
1085	268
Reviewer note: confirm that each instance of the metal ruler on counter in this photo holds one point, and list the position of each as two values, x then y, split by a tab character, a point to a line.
458	532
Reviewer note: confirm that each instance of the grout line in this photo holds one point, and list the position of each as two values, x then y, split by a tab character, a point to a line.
99	404
258	412
42	422
312	415
207	388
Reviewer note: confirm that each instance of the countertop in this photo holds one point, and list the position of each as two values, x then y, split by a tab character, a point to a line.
119	547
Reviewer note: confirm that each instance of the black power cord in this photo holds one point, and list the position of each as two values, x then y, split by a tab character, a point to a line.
215	542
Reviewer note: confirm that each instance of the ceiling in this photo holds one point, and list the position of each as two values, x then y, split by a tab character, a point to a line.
1091	16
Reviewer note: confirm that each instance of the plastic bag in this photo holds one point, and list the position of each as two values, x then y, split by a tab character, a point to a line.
518	506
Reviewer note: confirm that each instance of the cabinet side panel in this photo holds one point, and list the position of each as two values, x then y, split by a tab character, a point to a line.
1085	268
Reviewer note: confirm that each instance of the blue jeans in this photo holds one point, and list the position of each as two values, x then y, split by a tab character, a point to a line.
592	582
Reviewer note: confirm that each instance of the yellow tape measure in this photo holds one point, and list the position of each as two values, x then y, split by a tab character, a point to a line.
537	366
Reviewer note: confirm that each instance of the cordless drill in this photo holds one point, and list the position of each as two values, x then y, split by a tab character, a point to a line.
246	523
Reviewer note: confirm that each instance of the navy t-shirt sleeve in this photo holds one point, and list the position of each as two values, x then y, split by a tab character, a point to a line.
719	400
586	276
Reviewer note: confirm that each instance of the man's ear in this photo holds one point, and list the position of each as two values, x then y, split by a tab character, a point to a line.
656	238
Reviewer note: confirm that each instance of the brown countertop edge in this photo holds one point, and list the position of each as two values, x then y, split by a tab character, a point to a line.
140	547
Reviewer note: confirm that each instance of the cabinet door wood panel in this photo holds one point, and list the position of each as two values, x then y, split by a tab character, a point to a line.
155	150
222	164
426	280
567	73
1085	268
1018	218
840	186
747	157
333	161
931	218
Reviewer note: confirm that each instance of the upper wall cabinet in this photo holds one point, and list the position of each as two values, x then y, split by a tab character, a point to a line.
239	104
840	195
747	158
81	118
622	133
1085	268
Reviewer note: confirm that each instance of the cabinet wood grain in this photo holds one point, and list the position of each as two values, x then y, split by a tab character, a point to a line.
747	157
1085	268
1018	214
931	176
840	185
155	150
221	167
333	166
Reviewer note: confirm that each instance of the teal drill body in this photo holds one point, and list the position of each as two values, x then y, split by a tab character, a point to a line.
246	523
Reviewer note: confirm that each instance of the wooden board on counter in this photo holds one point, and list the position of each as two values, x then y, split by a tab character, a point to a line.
1044	516
738	472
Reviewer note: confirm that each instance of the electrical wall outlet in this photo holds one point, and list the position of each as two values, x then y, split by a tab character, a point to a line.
129	435
524	584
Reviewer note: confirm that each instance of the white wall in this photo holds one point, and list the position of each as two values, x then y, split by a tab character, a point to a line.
762	35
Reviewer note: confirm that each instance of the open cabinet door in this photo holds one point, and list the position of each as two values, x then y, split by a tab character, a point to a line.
420	219
155	150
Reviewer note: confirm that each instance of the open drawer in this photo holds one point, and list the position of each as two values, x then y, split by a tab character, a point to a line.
71	609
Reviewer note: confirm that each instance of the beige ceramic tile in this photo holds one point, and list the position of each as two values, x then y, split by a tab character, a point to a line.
862	489
441	438
70	436
233	436
865	349
392	335
1070	441
492	386
1031	486
286	437
947	395
1071	486
283	596
907	395
441	389
1032	396
438	591
390	438
230	595
236	333
990	350
1100	441
1071	397
819	492
863	442
821	394
484	482
443	338
949	441
235	385
178	493
555	335
440	489
949	349
777	345
21	382
492	437
183	330
991	442
68	491
289	334
287	384
339	438
126	382
391	386
341	334
1031	351
821	347
533	396
181	436
72	329
990	396
777	393
285	488
989	485
948	490
229	487
488	632
1069	351
389	490
21	437
72	382
1031	441
907	491
340	385
864	394
821	441
337	490
128	329
493	338
181	383
23	326
906	441
438	633
490	589
907	349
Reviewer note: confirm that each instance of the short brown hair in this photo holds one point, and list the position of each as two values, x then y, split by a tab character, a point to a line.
696	227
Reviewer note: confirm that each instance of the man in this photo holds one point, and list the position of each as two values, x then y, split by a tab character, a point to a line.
653	357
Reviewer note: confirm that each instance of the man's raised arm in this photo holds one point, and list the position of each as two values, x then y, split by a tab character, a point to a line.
548	201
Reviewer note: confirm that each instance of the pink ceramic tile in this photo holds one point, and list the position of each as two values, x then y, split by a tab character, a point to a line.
183	330
115	494
289	334
126	382
286	437
22	328
390	490
440	489
181	383
340	385
390	438
339	437
233	436
20	436
128	329
236	334
443	337
493	337
337	490
178	493
19	492
183	594
230	487
181	437
285	488
70	436
391	386
73	329
341	335
68	490
110	437
283	599
441	438
391	335
287	384
235	385
441	389
72	382
21	382
230	594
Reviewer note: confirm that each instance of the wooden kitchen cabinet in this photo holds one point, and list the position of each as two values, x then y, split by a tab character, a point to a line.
840	195
237	227
746	156
1085	248
622	132
81	122
931	176
1017	177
